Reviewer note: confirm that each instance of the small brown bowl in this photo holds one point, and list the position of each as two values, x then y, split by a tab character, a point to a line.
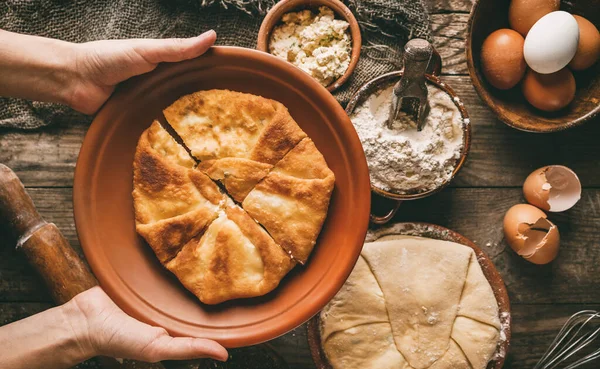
374	85
285	6
439	233
510	106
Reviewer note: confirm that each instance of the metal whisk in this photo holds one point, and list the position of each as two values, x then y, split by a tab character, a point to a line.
579	331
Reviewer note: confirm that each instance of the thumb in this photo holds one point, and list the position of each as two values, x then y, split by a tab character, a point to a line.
174	49
183	348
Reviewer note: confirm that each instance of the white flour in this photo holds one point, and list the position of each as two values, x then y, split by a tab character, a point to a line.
402	160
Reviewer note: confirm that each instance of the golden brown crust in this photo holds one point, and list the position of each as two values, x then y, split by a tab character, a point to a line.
164	145
172	202
279	136
233	259
221	123
166	237
277	262
238	175
293	208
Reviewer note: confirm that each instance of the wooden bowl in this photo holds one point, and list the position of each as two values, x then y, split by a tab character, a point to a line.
396	199
125	265
273	18
440	233
510	106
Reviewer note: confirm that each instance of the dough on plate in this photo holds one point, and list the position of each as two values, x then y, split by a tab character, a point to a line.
172	202
291	202
440	311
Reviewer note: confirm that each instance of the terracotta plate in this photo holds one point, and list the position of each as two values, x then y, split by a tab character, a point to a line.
440	233
126	266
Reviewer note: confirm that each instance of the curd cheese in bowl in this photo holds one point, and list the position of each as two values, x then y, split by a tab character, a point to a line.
317	43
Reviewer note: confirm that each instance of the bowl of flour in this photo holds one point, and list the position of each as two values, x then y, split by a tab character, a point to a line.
405	164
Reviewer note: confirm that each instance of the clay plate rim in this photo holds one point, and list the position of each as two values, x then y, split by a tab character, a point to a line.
86	173
274	16
370	87
445	234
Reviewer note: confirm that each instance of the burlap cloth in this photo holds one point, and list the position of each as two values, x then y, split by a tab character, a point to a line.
386	26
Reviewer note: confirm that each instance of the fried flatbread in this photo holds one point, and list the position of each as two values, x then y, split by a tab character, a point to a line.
234	258
292	201
238	136
218	124
172	202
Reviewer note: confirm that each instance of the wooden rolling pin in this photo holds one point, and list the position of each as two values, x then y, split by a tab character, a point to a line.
48	252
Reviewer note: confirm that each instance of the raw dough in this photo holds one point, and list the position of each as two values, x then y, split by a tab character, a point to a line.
440	311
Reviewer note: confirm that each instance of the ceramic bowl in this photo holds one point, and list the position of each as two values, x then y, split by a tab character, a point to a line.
440	233
125	265
396	199
510	106
273	18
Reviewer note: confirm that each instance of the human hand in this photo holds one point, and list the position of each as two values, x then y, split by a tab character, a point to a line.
104	329
99	66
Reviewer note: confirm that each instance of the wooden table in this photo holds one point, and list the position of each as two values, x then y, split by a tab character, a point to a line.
500	159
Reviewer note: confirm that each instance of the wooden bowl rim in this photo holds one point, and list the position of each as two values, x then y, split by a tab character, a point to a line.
274	15
367	89
442	233
485	95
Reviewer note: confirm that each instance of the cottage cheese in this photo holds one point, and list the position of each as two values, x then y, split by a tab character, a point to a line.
318	44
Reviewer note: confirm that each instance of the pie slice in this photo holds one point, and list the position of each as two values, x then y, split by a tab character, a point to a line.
217	124
172	201
237	136
291	202
234	258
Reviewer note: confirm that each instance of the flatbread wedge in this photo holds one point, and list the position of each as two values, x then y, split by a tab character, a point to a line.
173	202
217	124
238	137
234	258
291	202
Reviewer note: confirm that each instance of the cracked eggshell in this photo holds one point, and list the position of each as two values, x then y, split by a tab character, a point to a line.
552	188
530	234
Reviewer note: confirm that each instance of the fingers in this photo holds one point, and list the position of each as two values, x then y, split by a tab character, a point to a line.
174	49
170	348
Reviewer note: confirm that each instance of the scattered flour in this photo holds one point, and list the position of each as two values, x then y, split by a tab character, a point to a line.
402	160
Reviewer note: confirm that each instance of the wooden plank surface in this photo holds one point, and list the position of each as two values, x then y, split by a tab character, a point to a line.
542	296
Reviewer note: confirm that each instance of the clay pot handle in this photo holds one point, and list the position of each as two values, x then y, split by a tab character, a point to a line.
435	64
376	219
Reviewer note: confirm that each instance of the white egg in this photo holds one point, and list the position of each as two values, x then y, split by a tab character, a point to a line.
552	42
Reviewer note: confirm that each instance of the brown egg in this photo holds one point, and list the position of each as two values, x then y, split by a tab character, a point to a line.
553	188
588	48
522	14
502	60
549	92
530	234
